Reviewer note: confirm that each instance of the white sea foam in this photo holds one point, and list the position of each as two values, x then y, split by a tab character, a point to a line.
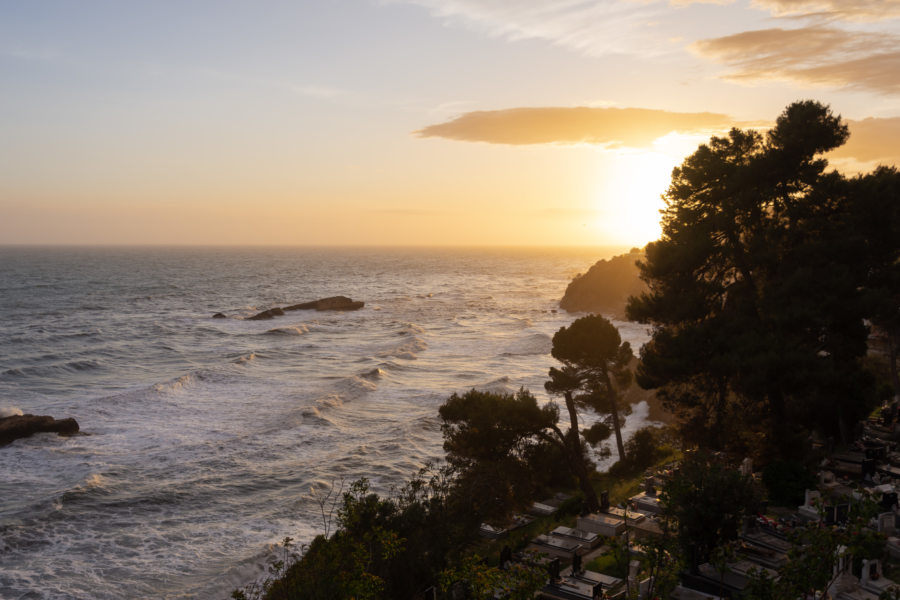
533	343
194	463
501	385
408	350
290	330
247	358
10	411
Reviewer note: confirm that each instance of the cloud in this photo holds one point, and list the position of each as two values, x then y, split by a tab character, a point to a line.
850	10
873	140
586	26
636	127
809	56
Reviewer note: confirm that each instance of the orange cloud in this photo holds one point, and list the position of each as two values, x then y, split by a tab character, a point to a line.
636	127
873	140
851	10
811	56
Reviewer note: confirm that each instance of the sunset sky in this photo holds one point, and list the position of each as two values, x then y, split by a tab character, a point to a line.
406	122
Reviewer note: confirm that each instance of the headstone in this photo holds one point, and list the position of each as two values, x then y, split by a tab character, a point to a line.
747	467
810	496
553	569
576	563
829	515
649	486
747	525
505	556
871	571
634	568
604	500
888	500
886	523
842	513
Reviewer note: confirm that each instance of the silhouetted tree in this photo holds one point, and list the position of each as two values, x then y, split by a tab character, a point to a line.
499	445
707	499
594	375
493	442
754	289
875	217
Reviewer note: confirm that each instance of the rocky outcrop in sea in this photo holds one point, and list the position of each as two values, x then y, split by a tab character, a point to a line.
19	426
606	286
341	303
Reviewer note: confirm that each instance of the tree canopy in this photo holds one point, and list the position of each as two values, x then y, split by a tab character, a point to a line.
756	289
594	374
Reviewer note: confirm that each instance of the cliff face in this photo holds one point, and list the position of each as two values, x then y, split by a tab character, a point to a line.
606	286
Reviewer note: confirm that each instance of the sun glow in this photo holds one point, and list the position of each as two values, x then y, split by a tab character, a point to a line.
630	195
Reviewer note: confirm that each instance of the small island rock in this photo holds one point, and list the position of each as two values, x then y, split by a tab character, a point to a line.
266	314
605	288
330	303
20	426
219	316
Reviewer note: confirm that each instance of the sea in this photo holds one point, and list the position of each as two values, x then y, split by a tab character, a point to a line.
204	442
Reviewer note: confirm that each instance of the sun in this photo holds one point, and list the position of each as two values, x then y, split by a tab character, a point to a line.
629	194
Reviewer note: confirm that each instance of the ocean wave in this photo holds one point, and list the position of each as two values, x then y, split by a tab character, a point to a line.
411	329
10	411
501	385
373	375
408	350
390	365
183	383
290	330
245	359
73	366
347	389
535	343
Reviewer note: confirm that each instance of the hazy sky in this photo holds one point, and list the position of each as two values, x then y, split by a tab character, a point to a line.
406	122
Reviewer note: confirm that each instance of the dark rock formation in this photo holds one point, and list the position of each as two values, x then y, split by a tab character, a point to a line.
219	316
266	314
606	286
19	426
332	303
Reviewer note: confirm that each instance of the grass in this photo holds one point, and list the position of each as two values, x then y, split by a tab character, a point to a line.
607	565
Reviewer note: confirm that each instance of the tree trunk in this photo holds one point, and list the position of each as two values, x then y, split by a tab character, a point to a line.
612	398
577	459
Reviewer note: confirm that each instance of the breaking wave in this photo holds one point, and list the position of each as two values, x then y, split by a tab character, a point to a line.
291	330
535	343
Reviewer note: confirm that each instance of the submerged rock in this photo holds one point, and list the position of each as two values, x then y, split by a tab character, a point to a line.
266	314
20	426
331	303
219	316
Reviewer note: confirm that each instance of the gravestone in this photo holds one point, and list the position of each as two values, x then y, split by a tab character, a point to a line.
553	569
576	564
886	523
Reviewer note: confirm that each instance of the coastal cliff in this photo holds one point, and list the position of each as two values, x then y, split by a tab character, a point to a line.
606	286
